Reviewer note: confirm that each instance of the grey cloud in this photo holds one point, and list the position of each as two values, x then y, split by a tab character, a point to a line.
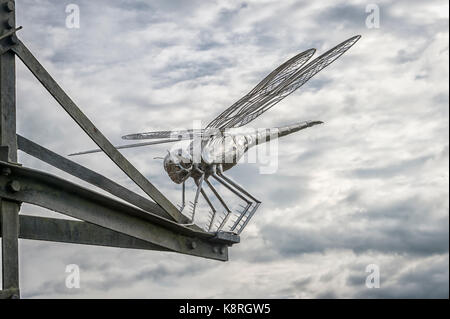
424	281
226	16
396	228
341	15
370	184
189	70
327	295
394	169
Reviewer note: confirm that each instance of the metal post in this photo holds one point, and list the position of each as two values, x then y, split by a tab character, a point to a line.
9	210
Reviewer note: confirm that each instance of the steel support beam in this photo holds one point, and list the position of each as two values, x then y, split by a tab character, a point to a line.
10	247
88	175
9	210
12	293
77	232
78	116
48	191
104	221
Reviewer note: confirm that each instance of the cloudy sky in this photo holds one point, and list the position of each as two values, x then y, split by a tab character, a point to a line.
368	187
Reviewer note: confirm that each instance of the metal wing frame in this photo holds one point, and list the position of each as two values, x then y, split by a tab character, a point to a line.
279	84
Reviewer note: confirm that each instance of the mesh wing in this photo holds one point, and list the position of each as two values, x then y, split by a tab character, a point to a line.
175	134
277	85
260	91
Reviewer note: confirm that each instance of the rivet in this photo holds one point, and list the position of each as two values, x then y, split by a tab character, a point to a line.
6	171
193	245
10	23
14	186
13	38
10	6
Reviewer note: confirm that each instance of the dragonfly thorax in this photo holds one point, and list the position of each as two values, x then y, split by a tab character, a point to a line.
182	163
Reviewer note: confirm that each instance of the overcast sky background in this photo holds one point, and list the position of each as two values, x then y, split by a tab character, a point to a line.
368	187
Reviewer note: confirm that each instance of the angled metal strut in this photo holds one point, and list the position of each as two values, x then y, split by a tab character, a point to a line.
64	100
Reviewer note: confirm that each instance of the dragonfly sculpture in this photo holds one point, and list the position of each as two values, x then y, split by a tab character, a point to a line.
222	143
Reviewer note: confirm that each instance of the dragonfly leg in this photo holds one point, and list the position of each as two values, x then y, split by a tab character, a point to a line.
228	211
252	203
212	213
183	197
199	183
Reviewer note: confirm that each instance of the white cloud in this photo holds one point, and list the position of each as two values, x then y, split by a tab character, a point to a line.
369	186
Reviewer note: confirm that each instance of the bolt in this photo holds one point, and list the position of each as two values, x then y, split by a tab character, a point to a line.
193	245
222	250
10	23
9	6
216	250
13	39
14	186
6	171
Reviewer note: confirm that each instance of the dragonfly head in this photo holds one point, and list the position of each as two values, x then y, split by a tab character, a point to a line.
178	165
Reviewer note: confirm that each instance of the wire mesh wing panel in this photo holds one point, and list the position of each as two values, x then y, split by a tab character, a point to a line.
276	86
172	135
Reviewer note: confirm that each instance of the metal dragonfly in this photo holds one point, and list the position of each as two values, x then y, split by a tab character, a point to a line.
222	144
